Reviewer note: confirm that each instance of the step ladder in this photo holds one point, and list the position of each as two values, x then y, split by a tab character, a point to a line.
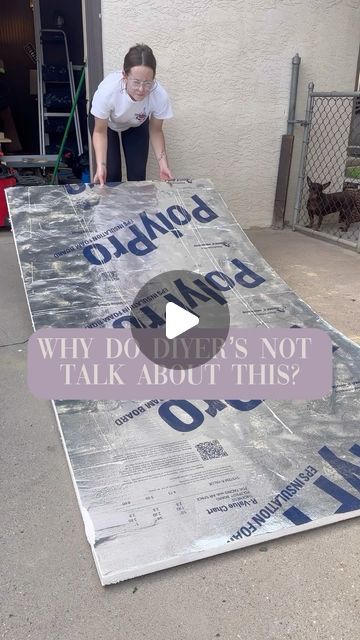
53	77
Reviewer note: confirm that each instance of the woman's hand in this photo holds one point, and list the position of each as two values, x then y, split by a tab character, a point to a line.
100	175
165	173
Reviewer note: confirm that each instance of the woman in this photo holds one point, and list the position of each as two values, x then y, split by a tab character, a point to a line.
132	105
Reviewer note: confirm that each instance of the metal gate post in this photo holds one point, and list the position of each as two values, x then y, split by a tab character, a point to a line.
305	143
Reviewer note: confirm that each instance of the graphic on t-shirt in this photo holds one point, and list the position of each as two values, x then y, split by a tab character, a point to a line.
140	116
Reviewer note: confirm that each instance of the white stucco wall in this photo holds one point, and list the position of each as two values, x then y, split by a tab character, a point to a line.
226	65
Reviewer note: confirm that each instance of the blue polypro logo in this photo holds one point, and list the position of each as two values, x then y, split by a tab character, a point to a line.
152	227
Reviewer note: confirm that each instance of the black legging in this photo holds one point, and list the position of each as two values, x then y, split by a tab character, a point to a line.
135	142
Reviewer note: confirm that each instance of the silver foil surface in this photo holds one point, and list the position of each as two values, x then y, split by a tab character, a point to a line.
162	483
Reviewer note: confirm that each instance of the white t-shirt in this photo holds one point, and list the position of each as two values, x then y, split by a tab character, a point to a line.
112	101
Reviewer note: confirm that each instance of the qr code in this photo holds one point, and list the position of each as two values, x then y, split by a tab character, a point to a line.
211	449
109	275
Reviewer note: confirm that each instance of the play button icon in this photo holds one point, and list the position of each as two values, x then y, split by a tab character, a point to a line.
178	320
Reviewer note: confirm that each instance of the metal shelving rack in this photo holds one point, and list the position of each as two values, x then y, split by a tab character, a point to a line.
55	37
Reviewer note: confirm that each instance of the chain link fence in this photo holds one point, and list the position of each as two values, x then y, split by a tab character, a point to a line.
328	194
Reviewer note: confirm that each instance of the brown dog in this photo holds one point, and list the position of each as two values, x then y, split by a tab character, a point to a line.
320	204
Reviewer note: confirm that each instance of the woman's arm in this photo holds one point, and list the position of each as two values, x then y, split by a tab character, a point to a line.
158	144
99	139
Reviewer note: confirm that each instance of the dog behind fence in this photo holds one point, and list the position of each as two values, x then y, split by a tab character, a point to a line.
320	204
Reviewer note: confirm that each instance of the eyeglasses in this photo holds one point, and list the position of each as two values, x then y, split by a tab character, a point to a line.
147	84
